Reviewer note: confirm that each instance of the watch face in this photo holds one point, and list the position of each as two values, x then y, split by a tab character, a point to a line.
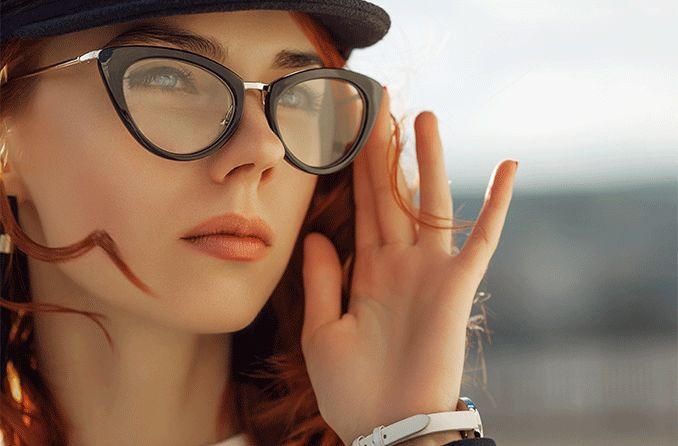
466	403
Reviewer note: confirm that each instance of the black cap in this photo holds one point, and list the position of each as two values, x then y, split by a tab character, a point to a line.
351	23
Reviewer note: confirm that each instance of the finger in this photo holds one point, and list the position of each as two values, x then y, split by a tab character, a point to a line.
366	225
436	200
484	238
322	285
394	224
406	193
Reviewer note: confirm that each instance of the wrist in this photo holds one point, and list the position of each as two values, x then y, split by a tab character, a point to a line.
433	439
427	429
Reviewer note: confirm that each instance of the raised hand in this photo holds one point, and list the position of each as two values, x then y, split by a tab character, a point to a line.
399	350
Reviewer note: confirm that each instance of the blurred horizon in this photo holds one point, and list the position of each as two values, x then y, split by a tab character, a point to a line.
583	319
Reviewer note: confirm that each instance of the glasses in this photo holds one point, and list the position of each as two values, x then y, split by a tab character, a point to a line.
183	106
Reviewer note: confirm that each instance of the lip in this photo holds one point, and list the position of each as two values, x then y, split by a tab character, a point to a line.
231	237
233	225
230	247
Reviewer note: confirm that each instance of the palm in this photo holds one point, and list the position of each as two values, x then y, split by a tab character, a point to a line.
399	350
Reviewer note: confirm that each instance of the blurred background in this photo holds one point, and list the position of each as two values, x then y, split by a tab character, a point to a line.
583	348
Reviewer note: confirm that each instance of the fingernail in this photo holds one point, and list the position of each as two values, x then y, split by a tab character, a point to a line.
515	162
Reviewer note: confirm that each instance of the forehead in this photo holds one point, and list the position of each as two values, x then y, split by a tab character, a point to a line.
255	34
247	29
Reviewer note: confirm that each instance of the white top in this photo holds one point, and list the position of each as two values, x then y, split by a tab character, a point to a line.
235	440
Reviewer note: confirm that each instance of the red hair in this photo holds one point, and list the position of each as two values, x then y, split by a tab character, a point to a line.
275	402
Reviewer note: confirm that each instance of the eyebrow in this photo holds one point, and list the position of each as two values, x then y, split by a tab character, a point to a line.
204	45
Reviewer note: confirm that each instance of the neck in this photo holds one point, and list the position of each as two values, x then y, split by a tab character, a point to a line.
158	386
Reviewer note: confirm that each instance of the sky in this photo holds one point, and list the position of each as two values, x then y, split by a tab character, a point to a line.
584	93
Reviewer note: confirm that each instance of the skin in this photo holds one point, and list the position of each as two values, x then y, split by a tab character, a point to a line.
398	351
75	174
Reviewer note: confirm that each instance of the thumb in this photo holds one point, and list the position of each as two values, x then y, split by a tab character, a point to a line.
322	284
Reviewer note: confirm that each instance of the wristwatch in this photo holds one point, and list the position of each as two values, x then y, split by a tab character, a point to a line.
465	419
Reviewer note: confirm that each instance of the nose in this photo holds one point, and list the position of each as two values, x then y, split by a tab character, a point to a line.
254	150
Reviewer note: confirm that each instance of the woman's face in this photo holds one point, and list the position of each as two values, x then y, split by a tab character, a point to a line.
80	170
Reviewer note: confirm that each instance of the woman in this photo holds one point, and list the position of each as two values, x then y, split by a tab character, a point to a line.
252	269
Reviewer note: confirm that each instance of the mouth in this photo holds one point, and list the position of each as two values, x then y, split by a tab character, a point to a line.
229	246
234	227
232	237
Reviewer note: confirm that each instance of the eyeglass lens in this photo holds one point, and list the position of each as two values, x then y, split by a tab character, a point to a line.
183	108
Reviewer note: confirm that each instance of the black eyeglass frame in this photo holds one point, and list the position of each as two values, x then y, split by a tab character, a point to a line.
114	61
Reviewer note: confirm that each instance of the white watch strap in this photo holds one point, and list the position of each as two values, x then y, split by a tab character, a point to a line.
422	424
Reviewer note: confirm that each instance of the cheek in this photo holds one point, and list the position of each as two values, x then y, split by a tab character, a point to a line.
73	167
85	172
285	206
289	200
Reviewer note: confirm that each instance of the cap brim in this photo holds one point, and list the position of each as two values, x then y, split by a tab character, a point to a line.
351	23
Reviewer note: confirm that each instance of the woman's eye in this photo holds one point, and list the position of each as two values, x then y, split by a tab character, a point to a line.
163	78
301	98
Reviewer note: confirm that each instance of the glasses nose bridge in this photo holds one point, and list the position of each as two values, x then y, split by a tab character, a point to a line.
262	87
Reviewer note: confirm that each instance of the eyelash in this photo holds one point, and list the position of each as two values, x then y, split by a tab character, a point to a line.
141	80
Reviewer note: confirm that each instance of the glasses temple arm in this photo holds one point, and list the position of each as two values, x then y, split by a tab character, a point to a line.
83	58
